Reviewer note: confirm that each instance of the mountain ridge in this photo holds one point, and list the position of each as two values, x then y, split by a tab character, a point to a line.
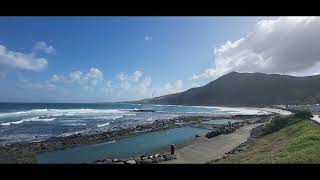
248	89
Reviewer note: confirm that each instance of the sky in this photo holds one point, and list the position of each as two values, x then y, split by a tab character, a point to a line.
107	59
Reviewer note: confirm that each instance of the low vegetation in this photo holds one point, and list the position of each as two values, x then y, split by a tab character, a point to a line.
293	139
279	122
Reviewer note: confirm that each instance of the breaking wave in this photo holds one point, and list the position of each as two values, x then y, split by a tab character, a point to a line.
28	120
104	124
65	112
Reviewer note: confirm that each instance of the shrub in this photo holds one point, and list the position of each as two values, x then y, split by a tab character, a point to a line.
303	114
278	123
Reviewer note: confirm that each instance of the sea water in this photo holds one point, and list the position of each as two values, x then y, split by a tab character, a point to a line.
39	121
127	147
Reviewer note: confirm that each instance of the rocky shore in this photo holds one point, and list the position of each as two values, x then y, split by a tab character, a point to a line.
230	128
158	157
151	159
24	152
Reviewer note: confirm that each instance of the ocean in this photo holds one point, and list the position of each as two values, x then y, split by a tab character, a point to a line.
39	121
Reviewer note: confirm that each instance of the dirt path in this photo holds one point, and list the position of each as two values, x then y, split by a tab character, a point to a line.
204	150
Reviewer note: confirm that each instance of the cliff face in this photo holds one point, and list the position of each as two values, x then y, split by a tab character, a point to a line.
248	89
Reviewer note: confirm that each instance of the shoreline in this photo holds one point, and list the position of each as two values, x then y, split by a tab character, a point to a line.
24	152
205	150
159	156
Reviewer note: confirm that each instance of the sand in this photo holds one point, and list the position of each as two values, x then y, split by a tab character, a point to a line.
278	111
316	118
203	150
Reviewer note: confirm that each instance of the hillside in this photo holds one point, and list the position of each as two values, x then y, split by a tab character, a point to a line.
296	143
248	89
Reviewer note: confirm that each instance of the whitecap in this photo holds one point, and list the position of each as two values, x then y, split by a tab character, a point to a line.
76	124
104	124
28	120
107	117
66	112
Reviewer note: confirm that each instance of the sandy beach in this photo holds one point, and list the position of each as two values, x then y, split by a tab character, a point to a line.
203	150
278	111
316	118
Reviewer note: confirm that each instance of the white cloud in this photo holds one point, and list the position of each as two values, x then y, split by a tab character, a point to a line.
135	84
17	60
94	73
28	84
125	85
148	38
75	76
287	45
144	86
109	87
169	88
43	47
57	78
91	78
193	85
122	76
136	76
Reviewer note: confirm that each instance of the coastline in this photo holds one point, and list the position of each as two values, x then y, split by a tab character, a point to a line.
248	133
204	150
24	152
229	138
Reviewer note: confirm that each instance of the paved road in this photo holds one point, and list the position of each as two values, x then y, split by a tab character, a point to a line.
204	149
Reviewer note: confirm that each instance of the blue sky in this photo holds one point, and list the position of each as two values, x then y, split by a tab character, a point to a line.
115	58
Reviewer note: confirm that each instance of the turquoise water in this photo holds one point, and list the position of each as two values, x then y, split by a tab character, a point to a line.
123	148
221	121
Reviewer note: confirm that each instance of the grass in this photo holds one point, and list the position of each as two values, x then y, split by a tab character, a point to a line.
298	141
279	122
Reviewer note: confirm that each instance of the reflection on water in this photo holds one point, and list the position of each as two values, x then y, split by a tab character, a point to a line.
123	148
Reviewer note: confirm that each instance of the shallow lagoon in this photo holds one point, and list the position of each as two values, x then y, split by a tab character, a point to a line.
127	147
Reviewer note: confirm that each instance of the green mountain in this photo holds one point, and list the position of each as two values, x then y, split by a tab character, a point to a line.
248	89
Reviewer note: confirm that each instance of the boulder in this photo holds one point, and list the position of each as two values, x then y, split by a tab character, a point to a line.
98	162
156	155
115	160
146	161
107	161
120	162
168	157
161	159
143	157
131	161
155	160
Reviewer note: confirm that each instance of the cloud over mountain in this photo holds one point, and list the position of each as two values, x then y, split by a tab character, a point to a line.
287	45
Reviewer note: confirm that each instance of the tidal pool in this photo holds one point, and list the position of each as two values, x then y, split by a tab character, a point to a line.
127	147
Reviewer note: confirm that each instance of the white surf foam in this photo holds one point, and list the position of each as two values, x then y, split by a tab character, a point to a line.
28	120
76	124
107	117
104	124
66	112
